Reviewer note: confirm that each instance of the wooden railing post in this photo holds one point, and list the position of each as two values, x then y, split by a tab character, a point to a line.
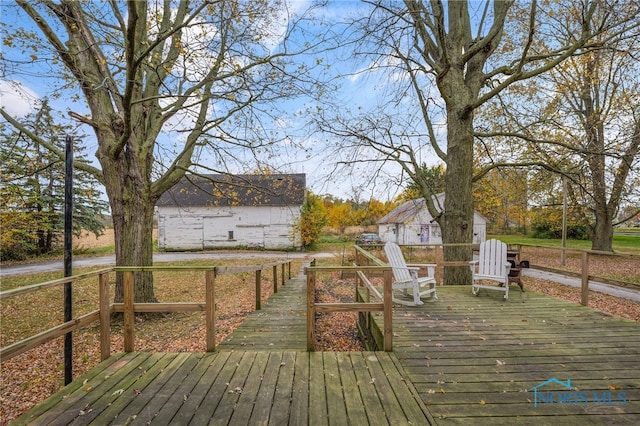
128	314
358	283
275	279
210	303
439	275
388	311
584	296
105	316
311	310
258	290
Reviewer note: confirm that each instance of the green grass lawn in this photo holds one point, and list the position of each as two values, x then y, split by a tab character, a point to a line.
621	243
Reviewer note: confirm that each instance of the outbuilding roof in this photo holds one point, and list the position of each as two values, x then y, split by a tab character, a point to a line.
404	212
409	210
236	190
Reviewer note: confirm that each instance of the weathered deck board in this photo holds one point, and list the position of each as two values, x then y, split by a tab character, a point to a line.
280	324
472	359
245	388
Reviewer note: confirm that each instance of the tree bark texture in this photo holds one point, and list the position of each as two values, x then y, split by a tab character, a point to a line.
457	217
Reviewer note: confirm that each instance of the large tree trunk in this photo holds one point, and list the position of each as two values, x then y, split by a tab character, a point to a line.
457	218
132	205
602	238
133	231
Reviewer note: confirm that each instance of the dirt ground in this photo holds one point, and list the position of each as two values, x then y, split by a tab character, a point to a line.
89	241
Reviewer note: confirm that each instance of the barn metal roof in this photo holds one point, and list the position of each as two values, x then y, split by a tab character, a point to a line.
404	212
236	190
407	211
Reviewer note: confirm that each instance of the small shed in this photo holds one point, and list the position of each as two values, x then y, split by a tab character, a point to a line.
411	223
217	211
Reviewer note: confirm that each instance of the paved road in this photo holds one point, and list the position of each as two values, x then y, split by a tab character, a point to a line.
626	293
84	262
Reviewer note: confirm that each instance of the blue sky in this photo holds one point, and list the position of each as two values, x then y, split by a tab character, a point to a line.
359	89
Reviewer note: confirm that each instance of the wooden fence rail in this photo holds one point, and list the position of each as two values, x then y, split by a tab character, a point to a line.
384	305
106	307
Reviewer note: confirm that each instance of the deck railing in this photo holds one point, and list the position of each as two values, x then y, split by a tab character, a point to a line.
129	307
365	266
382	304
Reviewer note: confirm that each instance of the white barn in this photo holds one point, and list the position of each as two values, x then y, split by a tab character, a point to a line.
222	211
411	223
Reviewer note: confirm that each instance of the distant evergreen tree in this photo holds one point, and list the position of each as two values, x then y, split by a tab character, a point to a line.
32	190
432	177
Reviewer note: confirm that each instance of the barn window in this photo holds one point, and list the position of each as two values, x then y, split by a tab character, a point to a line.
230	235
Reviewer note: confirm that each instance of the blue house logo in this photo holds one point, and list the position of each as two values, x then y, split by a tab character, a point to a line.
571	395
546	397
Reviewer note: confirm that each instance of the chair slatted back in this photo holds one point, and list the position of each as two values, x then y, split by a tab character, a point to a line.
397	262
493	256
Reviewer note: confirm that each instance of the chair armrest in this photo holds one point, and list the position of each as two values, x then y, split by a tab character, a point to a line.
430	267
407	268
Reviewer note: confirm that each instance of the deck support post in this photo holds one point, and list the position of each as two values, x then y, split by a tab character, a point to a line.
311	310
275	279
258	290
387	311
282	275
584	294
128	314
210	304
105	316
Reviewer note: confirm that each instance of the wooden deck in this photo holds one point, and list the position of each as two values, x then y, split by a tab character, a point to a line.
237	388
261	374
460	359
475	360
281	323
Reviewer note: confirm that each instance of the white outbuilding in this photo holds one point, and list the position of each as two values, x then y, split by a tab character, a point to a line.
411	223
222	211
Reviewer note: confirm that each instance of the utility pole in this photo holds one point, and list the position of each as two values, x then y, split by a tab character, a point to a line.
68	253
563	257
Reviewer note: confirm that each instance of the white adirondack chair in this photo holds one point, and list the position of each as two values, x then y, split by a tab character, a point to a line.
492	265
406	277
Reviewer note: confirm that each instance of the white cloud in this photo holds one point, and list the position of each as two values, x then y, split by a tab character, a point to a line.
275	28
16	99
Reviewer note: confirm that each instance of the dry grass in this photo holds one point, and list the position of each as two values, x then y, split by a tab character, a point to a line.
603	302
33	376
336	331
89	241
621	268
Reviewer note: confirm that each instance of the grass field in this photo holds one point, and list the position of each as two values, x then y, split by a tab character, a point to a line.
621	243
